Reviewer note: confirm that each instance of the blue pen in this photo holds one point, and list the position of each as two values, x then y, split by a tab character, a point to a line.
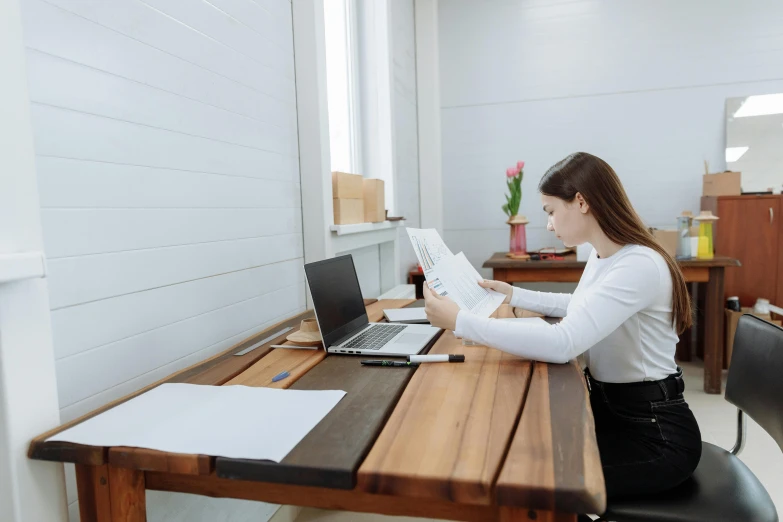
280	376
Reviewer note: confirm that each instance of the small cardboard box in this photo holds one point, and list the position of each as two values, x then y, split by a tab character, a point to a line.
348	211
374	201
346	186
667	239
722	184
732	320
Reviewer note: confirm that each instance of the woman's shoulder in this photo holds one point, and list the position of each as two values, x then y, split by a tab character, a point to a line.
645	257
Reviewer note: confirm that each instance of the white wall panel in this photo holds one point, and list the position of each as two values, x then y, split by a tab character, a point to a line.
406	135
115	141
82	279
67	183
167	160
101	48
91	91
142	22
74	232
640	84
128	358
81	328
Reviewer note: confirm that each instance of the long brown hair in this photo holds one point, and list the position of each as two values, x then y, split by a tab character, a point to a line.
599	185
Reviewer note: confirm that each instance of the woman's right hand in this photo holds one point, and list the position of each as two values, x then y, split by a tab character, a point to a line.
498	286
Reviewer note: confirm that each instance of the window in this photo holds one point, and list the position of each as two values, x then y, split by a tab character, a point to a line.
342	85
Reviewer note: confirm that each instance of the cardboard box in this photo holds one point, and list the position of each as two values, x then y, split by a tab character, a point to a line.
347	186
374	201
732	320
667	239
722	184
348	211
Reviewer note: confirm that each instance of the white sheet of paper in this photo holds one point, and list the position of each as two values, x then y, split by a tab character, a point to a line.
428	246
222	421
405	314
457	279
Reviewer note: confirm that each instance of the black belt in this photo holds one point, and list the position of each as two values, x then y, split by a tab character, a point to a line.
640	391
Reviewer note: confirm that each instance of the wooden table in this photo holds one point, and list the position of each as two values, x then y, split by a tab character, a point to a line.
709	271
496	438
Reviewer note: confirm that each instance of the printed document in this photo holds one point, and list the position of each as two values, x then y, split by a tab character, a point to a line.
451	275
240	422
459	281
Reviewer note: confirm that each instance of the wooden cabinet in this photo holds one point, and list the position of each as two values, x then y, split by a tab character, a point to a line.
750	229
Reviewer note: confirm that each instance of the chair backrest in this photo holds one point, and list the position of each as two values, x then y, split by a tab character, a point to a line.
755	383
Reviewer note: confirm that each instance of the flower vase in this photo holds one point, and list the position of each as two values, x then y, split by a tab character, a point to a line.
518	237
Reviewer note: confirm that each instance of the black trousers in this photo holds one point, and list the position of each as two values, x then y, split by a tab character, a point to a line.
648	438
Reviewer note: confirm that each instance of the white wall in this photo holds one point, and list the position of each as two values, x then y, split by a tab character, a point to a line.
406	136
640	84
29	490
167	153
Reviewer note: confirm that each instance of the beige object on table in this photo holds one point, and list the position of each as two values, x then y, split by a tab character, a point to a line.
374	201
307	335
347	198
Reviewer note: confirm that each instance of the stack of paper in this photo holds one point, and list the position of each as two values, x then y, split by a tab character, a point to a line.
239	422
452	275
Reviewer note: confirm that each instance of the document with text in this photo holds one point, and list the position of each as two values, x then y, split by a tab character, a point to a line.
452	275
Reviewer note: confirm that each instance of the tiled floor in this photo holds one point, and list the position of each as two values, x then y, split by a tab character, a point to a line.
717	420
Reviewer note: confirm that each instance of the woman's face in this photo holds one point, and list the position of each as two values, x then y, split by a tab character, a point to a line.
569	221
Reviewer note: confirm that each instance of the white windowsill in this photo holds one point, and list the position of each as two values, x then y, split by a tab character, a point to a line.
360	228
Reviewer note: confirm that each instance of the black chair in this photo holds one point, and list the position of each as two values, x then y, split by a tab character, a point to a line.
722	488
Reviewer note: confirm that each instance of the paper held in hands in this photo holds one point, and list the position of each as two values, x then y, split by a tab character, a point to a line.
452	275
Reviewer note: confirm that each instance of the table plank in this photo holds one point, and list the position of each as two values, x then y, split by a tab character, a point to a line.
295	362
448	435
553	461
323	498
330	454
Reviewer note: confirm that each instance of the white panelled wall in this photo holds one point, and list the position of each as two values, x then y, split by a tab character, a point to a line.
167	156
640	84
406	135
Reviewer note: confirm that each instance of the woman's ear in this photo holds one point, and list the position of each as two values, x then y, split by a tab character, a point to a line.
583	206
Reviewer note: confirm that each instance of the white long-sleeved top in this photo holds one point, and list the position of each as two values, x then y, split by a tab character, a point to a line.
620	316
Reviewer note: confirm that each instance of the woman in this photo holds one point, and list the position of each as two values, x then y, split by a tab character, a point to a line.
624	315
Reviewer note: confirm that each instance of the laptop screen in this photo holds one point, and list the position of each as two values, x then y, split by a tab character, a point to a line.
337	297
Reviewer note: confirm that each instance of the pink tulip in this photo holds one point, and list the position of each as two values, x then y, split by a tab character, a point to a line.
520	165
511	172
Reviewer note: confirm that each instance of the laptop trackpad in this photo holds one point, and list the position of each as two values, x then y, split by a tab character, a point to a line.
410	338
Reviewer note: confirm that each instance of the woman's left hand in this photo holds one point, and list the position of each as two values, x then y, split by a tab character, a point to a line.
441	311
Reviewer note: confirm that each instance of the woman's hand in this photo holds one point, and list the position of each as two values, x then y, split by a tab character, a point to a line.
498	286
441	311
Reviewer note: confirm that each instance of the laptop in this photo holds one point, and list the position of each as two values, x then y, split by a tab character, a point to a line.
342	317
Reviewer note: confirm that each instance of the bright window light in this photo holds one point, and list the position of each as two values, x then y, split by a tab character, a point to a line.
761	106
735	153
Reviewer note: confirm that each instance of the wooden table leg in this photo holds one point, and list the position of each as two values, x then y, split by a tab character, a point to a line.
110	494
128	495
509	514
713	331
92	483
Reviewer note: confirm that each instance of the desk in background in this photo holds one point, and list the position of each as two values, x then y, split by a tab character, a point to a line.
706	271
496	438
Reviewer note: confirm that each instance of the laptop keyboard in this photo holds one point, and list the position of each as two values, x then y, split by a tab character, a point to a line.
374	337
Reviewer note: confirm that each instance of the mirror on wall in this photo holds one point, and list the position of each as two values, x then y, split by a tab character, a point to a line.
754	141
